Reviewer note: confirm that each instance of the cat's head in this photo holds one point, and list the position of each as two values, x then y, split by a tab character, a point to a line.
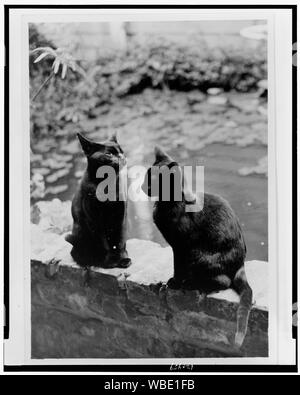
106	153
165	180
162	176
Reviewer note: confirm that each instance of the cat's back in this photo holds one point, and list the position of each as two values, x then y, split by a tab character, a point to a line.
216	204
217	219
216	210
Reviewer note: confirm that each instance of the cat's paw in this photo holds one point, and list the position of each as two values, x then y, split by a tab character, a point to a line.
174	283
124	263
70	238
112	261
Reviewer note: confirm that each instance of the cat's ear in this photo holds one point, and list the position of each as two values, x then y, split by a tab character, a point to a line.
189	195
88	146
113	137
160	155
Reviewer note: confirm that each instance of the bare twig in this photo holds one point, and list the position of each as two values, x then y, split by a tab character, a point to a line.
42	86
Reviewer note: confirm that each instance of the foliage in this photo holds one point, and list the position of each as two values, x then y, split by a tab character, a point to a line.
163	64
36	39
61	58
68	102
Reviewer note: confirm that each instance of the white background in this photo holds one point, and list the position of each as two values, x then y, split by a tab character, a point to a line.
280	46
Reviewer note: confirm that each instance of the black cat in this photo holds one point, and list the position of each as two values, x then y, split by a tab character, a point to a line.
99	229
208	246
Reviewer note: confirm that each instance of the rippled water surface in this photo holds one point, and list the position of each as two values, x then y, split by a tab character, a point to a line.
227	134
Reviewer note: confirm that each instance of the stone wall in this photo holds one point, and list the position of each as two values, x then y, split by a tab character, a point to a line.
125	313
116	318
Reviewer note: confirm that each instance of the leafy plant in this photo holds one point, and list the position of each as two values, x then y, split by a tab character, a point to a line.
70	99
61	58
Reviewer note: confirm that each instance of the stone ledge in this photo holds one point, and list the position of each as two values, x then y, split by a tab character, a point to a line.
122	314
113	318
130	306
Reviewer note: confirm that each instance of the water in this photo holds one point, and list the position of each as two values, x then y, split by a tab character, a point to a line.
224	139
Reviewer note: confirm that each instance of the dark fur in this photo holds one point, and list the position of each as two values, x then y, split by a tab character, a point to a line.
99	229
208	246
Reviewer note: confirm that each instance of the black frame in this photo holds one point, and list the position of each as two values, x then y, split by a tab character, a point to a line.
146	368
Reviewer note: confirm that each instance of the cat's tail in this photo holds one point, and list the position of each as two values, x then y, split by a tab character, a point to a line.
241	286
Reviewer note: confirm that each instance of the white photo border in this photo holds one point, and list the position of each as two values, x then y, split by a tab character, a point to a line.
281	345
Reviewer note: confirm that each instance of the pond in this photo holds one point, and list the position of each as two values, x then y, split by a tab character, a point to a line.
225	133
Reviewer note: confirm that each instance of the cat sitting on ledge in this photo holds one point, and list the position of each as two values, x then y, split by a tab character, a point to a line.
99	228
208	245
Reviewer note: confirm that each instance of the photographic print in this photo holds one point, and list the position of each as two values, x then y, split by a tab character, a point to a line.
149	189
